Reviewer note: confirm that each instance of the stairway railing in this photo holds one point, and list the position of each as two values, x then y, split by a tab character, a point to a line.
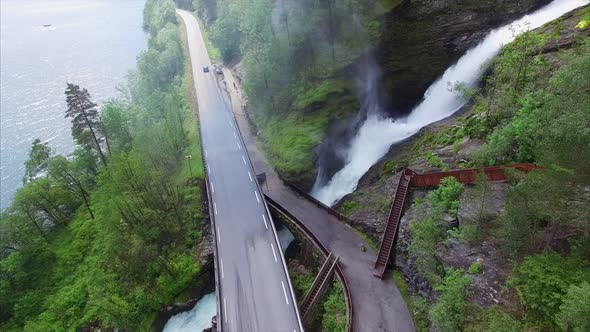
319	285
395	214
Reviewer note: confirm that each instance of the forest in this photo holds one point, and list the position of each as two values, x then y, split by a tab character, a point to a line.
297	60
296	57
105	237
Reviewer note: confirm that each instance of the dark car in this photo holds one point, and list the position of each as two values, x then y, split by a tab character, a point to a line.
205	69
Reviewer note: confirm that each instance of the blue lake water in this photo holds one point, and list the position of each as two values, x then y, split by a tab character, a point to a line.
92	43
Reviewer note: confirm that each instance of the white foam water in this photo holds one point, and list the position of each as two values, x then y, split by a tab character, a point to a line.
378	133
195	320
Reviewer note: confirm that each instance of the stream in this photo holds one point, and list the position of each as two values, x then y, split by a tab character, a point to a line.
378	133
199	317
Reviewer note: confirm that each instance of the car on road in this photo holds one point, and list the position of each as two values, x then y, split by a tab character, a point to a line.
206	69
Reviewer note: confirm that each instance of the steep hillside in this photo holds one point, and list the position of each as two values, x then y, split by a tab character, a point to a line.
492	256
304	63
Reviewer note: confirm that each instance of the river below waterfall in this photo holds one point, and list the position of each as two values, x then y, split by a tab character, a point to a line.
378	133
199	317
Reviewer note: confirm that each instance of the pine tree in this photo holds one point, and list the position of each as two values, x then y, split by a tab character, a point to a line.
86	127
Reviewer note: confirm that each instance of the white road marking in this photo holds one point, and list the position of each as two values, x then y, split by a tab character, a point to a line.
221	268
285	292
209	169
225	309
274	252
218	235
244	159
239	147
235	134
265	224
212	187
250	176
215	208
205	153
256	193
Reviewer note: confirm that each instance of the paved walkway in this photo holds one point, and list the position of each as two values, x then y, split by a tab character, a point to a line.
377	304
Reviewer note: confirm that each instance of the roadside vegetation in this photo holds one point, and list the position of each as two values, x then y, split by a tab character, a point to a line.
534	107
294	57
106	237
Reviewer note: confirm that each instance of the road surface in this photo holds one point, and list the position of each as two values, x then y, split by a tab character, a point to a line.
255	293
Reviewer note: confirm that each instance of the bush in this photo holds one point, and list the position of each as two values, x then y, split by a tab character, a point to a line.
446	197
475	268
574	314
446	315
542	282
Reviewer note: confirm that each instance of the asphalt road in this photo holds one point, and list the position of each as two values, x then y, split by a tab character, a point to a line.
255	293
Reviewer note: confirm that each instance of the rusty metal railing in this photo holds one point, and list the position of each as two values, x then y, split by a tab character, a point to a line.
324	250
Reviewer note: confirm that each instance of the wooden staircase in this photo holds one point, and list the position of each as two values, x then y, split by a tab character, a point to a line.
390	233
320	284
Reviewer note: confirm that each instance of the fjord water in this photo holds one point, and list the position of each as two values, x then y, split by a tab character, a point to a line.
93	43
378	133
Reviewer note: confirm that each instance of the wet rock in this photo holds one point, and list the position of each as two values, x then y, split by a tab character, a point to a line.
485	284
422	38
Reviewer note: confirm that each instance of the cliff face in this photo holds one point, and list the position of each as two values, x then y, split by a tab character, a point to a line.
421	38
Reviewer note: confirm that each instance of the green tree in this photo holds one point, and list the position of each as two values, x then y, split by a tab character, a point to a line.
574	313
446	315
542	282
38	160
86	127
65	172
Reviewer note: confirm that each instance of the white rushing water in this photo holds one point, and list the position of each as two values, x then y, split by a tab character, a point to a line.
377	134
195	320
199	317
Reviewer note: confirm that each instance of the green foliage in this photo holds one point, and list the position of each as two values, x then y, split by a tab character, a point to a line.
426	234
301	281
474	268
90	246
429	230
158	13
447	313
491	319
574	313
541	202
435	161
542	283
225	31
38	160
389	167
474	228
293	55
532	125
446	196
334	318
348	207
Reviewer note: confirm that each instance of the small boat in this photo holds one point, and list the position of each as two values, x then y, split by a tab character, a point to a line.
46	25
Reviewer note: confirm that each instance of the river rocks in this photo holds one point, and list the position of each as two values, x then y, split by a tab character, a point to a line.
422	38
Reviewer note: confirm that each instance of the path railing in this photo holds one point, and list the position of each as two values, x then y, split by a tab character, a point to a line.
409	178
395	215
319	285
345	287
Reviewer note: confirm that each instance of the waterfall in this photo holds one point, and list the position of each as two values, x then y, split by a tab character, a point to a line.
378	133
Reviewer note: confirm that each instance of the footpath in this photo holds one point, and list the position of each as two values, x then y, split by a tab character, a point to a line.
377	304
